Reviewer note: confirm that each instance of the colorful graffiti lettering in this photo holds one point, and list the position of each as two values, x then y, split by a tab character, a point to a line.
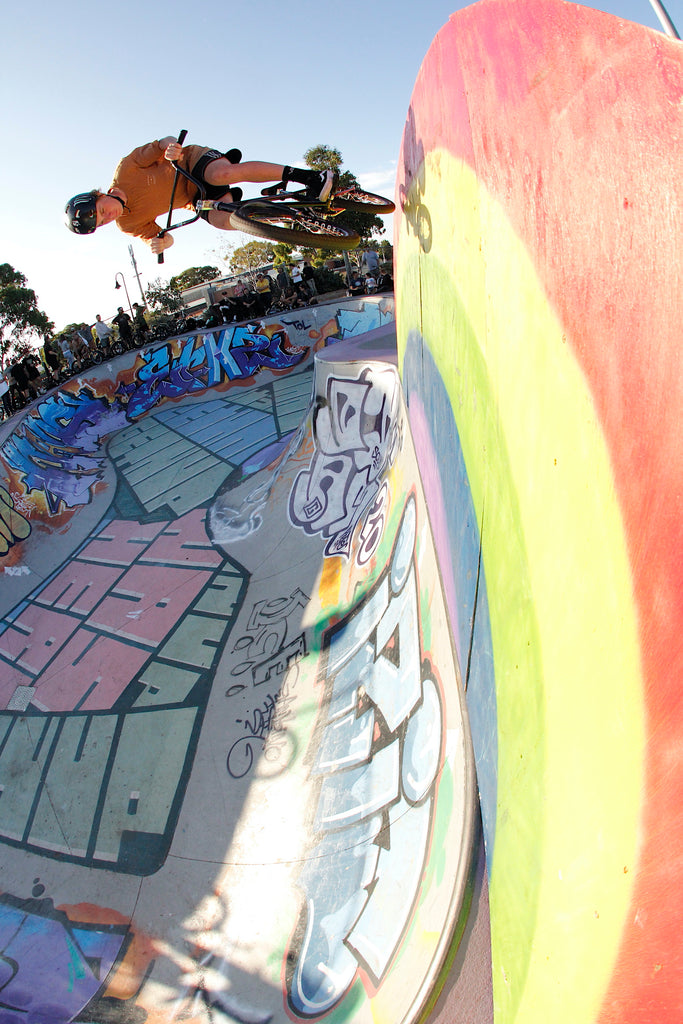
357	435
378	750
58	449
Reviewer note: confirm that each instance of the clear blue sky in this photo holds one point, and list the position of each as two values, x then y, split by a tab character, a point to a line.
85	83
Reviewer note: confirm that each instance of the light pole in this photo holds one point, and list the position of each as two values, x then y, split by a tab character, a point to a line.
135	271
117	285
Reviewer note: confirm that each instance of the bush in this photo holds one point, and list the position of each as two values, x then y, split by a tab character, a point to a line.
327	281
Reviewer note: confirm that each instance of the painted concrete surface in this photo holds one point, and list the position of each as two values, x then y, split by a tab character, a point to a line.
236	776
538	322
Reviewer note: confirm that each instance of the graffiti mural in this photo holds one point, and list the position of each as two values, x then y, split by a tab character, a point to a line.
378	746
58	451
53	968
357	434
270	650
13	525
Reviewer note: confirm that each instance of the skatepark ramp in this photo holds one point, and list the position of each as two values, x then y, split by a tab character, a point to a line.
340	652
539	324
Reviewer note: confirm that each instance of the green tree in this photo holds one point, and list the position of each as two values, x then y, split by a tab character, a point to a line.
194	276
320	158
366	224
163	297
20	318
251	257
282	253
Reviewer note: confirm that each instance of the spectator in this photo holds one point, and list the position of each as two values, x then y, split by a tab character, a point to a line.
76	345
296	275
22	382
5	395
263	292
214	316
369	262
385	283
357	285
370	284
125	326
308	276
102	333
31	365
230	308
250	304
66	351
141	325
51	356
291	299
283	279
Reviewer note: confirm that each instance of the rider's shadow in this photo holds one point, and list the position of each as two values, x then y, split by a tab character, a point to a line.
412	187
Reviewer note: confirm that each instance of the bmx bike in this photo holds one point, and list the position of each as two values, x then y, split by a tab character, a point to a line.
283	216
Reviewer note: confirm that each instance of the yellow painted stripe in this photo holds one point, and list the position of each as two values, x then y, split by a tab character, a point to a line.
564	629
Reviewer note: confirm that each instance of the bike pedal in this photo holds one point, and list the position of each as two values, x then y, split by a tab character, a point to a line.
272	190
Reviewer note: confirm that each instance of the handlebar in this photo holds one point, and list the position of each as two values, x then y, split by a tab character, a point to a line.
180	140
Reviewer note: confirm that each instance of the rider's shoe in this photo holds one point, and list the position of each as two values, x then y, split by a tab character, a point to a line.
322	187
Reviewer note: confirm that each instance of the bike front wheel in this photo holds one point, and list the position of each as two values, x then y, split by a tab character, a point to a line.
292	224
360	201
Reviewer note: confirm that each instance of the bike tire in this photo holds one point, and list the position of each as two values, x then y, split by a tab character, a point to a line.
360	201
292	224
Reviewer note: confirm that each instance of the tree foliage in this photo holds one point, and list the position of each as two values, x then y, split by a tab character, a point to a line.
20	317
194	276
366	224
251	257
320	158
163	297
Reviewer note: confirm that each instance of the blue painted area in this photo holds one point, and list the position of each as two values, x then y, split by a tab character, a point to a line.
49	969
352	322
232	432
422	380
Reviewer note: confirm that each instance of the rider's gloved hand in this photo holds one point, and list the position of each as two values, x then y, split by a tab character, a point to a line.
158	245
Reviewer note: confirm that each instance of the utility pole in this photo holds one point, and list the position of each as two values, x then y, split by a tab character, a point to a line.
135	271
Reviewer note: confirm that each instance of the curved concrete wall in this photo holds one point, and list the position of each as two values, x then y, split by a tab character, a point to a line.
236	774
539	313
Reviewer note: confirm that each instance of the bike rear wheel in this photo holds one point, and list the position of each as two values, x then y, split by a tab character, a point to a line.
292	224
360	201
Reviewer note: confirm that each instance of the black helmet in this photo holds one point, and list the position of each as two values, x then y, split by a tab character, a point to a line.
81	213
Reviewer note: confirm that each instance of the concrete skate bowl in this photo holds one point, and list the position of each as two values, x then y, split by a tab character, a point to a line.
538	325
235	769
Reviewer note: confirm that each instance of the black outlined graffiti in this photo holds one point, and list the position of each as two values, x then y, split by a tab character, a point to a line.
269	646
375	757
356	432
13	525
265	727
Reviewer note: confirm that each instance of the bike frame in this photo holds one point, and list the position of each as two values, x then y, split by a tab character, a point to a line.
202	205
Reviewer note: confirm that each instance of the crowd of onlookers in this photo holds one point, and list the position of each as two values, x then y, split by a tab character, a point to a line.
24	378
292	287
